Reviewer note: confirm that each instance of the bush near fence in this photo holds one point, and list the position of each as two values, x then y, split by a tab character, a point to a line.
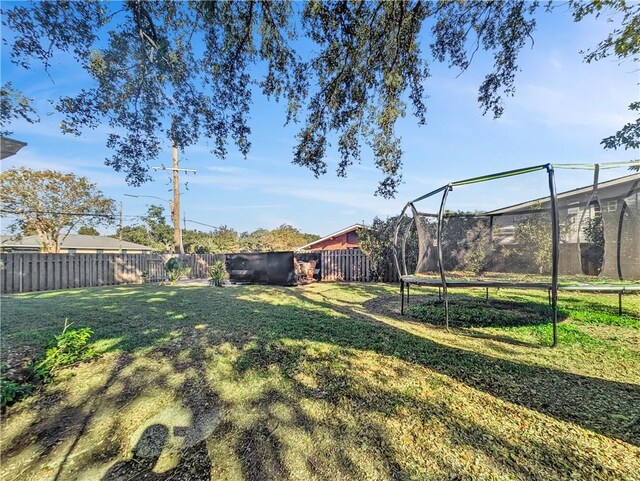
28	272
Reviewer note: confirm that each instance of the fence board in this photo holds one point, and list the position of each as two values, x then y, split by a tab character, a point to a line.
350	265
8	274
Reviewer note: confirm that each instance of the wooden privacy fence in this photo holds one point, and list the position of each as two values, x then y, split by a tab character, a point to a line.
351	265
28	272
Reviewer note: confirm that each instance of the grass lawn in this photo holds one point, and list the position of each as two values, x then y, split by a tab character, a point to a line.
326	381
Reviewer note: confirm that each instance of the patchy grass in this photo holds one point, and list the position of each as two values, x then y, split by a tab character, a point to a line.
326	381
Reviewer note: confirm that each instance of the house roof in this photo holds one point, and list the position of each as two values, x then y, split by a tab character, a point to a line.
75	241
9	147
330	236
568	194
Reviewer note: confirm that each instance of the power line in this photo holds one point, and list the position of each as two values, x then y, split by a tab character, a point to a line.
53	212
201	223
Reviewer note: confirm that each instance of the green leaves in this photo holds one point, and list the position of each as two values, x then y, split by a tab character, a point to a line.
628	137
218	273
52	203
67	348
347	71
14	105
11	391
175	270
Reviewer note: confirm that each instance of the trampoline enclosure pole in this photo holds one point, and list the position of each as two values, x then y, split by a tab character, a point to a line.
556	251
402	270
440	255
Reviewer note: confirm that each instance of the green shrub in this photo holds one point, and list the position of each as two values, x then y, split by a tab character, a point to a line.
67	348
11	391
217	274
175	270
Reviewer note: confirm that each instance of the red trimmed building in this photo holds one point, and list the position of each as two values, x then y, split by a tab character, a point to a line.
346	238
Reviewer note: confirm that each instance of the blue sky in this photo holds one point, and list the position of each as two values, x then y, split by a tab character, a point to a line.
562	109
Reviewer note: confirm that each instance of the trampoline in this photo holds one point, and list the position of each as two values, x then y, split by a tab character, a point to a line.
584	239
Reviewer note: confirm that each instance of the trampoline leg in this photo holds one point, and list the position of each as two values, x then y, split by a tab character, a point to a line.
619	303
487	289
446	312
402	297
408	286
439	293
549	292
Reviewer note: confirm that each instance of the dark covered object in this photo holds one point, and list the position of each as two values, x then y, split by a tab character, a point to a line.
262	268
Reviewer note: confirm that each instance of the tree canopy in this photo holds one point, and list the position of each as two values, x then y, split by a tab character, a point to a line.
88	230
376	241
347	70
153	232
52	204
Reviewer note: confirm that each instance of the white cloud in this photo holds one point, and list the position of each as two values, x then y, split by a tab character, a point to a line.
93	169
228	169
360	201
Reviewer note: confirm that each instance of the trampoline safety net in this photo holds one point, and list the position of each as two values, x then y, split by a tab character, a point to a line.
543	226
489	230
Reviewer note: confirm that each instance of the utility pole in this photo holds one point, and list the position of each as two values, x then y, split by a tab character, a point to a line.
175	205
177	235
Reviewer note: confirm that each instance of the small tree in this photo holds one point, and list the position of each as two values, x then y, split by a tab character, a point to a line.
377	242
594	235
254	241
52	204
224	239
160	232
534	240
137	234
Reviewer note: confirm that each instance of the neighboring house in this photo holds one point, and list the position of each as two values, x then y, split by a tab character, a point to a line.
346	238
617	203
76	244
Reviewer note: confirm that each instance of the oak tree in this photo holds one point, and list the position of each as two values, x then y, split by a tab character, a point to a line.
178	72
52	204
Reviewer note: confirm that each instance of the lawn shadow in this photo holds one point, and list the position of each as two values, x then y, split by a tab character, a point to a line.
587	401
182	329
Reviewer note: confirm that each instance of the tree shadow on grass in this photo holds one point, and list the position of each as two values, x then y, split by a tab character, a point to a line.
584	400
531	460
243	319
194	463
